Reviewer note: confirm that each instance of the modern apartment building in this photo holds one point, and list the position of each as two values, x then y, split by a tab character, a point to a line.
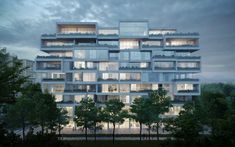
123	62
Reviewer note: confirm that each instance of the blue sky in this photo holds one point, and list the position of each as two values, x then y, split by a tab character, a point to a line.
23	21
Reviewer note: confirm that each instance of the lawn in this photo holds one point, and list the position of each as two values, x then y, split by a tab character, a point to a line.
102	143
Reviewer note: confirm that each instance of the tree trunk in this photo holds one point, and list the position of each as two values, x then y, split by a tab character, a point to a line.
149	126
140	131
23	129
113	132
95	131
86	132
59	129
42	126
157	130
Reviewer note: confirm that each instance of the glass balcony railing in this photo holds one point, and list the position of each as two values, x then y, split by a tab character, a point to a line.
177	57
188	91
188	68
186	79
108	35
53	79
164	68
53	57
134	67
182	34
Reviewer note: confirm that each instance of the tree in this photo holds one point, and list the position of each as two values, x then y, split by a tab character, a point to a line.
11	77
19	114
61	119
138	110
96	117
187	125
45	111
114	113
84	114
160	104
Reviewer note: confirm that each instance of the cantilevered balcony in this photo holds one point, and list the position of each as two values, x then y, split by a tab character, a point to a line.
53	80
182	35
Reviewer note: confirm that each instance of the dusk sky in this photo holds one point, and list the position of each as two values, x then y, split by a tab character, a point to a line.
23	21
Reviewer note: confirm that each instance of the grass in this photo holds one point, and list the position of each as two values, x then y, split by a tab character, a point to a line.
118	143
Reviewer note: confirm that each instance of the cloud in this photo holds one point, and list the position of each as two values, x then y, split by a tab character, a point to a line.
22	23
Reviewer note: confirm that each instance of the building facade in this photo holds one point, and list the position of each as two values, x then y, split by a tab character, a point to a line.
124	62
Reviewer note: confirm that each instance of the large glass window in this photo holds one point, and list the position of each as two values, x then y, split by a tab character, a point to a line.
89	77
124	55
138	29
108	76
106	66
91	54
129	44
140	55
130	76
108	43
124	88
112	88
164	65
188	65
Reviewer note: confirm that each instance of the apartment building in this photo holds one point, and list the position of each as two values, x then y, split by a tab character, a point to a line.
122	62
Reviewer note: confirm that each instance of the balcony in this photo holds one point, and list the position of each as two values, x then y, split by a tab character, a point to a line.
53	57
76	35
108	79
134	68
188	91
164	68
189	68
156	36
48	36
146	46
79	90
49	68
57	47
182	47
182	35
53	80
108	36
185	80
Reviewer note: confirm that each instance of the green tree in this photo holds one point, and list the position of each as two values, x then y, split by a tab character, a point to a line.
83	114
114	113
187	126
96	117
45	111
19	114
138	112
160	104
11	78
62	119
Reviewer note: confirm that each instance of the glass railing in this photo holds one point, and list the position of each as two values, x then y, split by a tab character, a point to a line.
188	91
53	79
182	34
186	79
188	68
53	57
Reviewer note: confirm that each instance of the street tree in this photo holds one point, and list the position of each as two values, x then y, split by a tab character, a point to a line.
114	113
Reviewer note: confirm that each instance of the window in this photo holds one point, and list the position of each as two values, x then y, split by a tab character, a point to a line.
140	55
138	29
129	44
91	54
89	77
106	66
124	88
124	55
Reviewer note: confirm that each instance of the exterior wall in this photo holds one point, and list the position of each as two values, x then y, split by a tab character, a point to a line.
86	60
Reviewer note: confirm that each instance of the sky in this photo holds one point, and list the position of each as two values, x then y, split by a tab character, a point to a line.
23	21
